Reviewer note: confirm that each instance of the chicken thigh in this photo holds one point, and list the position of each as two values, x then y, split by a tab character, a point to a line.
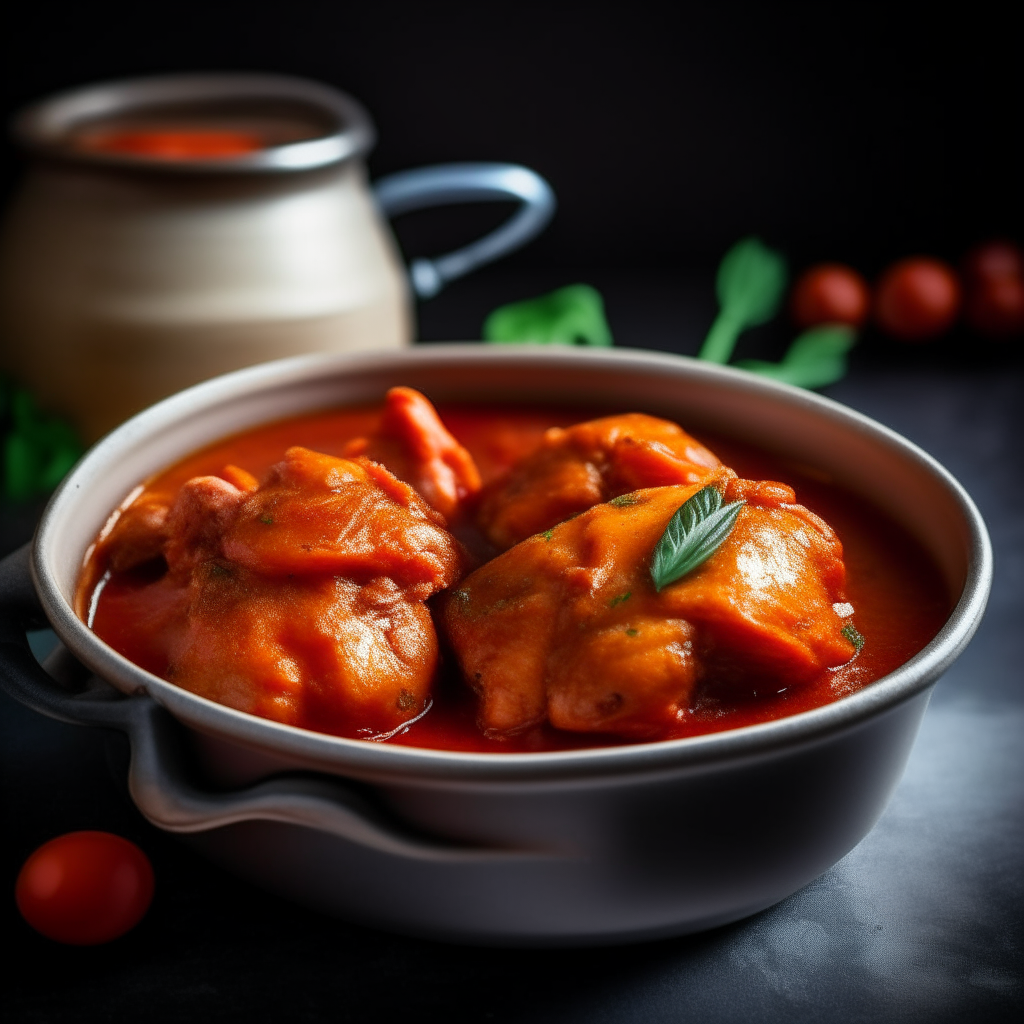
301	600
580	466
567	626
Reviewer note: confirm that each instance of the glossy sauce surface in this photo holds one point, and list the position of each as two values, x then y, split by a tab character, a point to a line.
899	597
205	132
182	143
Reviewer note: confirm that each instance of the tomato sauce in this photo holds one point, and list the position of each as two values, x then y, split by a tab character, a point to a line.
173	143
900	599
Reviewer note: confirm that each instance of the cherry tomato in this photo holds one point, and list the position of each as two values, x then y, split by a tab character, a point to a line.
996	308
85	888
993	261
830	293
994	274
917	299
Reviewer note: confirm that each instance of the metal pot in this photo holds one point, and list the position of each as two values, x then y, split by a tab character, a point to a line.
125	278
613	844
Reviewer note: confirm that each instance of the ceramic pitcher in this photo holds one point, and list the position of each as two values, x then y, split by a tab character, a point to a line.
126	275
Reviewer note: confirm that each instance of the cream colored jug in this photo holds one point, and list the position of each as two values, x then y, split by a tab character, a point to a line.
124	278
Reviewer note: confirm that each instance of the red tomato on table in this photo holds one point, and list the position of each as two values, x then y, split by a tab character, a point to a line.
830	293
85	888
994	275
917	299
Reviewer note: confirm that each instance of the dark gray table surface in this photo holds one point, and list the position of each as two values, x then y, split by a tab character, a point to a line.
923	921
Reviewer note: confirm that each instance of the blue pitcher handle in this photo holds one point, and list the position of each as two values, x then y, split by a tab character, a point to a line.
468	183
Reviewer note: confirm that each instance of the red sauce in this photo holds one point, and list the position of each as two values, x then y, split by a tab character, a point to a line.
173	143
900	599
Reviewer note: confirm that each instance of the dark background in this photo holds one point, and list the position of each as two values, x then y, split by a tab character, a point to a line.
834	131
841	133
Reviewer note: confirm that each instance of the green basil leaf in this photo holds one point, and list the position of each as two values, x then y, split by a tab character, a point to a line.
573	315
817	358
21	467
750	284
38	449
693	535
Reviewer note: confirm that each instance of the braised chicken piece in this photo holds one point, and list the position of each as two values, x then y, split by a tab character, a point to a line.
413	443
137	535
581	466
316	514
140	532
301	599
359	658
568	628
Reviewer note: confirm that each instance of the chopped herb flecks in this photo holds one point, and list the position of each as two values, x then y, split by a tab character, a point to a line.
853	635
620	599
624	500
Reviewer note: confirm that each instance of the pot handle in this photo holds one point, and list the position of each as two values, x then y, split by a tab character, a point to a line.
158	776
23	678
468	183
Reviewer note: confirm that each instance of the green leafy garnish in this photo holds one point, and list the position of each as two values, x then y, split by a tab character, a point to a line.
38	449
621	599
853	635
573	315
750	282
816	358
548	534
267	520
624	501
632	632
693	535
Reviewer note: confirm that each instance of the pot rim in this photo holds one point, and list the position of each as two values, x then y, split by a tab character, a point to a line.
45	127
369	759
